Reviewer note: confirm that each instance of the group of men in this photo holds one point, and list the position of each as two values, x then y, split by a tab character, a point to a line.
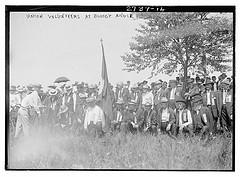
204	107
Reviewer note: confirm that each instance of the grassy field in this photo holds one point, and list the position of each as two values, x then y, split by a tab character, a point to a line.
119	151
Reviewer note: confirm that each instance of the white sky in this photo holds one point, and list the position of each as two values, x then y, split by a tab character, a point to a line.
42	49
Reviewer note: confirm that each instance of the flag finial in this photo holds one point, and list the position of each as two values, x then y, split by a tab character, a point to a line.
101	40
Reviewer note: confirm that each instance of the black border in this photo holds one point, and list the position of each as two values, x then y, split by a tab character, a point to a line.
70	8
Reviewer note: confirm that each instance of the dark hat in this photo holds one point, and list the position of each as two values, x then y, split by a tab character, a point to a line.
13	88
37	86
134	87
68	87
195	94
181	100
172	80
52	86
197	99
29	87
190	81
145	82
208	82
225	81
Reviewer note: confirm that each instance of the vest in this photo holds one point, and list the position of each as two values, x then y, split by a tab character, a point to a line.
184	116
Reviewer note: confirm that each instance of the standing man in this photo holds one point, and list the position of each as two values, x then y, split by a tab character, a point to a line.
215	84
224	99
13	109
119	91
159	95
135	94
75	107
52	104
210	100
126	96
36	107
147	96
173	94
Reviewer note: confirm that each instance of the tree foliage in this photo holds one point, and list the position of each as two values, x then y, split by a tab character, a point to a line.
191	40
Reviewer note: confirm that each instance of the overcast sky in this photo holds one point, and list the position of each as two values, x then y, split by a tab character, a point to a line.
42	49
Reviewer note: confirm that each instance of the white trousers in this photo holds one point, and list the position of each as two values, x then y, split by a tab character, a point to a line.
23	123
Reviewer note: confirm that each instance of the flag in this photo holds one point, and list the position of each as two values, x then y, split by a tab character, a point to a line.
104	95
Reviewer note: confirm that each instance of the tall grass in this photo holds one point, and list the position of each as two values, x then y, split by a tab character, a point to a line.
121	151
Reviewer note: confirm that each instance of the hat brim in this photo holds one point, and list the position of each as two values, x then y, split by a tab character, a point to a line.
53	94
181	102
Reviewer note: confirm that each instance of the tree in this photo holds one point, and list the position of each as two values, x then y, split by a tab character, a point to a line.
189	40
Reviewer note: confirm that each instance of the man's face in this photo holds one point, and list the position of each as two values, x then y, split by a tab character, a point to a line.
172	84
164	105
91	104
164	86
208	86
145	90
214	79
181	105
158	86
148	107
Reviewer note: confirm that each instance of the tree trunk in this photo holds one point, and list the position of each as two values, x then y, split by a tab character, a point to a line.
184	77
204	63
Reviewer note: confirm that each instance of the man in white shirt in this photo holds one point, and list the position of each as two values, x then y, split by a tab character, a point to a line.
94	118
13	98
147	96
20	95
23	119
166	118
183	118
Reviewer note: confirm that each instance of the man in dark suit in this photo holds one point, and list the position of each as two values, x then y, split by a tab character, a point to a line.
119	91
173	93
184	122
225	100
202	118
210	100
126	96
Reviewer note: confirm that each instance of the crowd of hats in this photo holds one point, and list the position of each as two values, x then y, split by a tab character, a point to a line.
54	90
